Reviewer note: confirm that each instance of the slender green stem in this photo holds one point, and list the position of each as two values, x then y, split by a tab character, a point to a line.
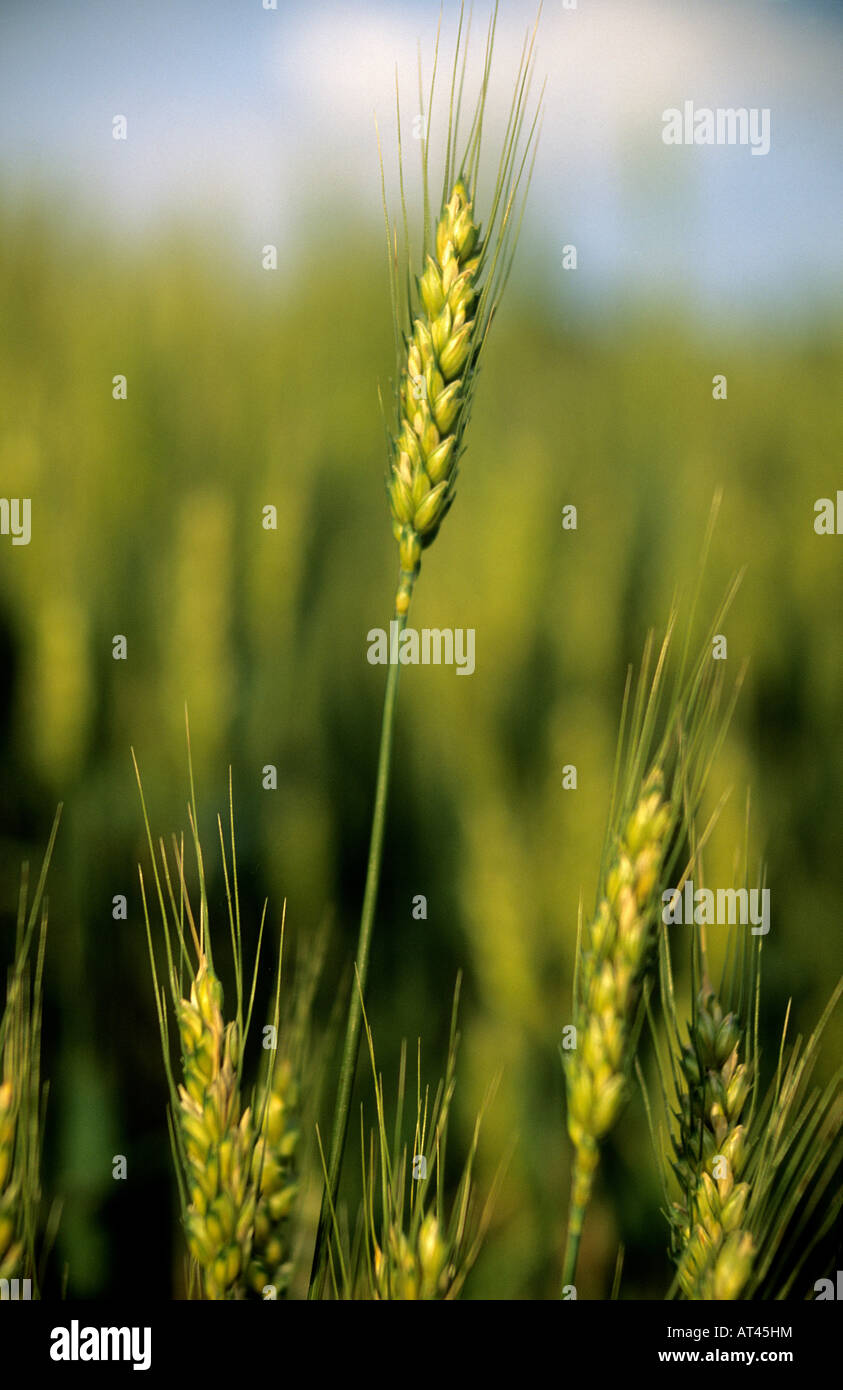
367	917
585	1163
572	1245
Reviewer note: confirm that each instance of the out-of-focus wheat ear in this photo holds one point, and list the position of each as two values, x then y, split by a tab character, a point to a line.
23	1248
11	1246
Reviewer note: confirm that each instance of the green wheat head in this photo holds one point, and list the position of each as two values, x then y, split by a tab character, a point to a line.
750	1167
412	1241
443	311
615	953
670	734
225	1150
712	1249
218	1140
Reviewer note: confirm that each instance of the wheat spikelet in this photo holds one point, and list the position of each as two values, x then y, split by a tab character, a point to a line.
432	393
218	1139
616	951
414	1268
713	1252
274	1173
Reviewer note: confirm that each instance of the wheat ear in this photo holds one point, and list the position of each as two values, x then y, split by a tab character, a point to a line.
213	1137
713	1251
22	1100
11	1245
440	320
218	1139
616	951
11	1249
432	393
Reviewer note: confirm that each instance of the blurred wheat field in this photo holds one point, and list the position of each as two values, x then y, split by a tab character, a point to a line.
247	389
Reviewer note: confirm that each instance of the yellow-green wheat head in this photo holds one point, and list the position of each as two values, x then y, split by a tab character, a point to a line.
218	1140
616	951
442	309
432	393
214	1134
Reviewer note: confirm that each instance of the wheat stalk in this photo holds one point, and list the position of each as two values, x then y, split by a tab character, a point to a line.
441	319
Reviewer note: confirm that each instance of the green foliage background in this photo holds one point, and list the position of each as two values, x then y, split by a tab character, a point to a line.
247	388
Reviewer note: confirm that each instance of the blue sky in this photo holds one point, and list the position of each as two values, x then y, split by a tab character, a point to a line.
253	122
